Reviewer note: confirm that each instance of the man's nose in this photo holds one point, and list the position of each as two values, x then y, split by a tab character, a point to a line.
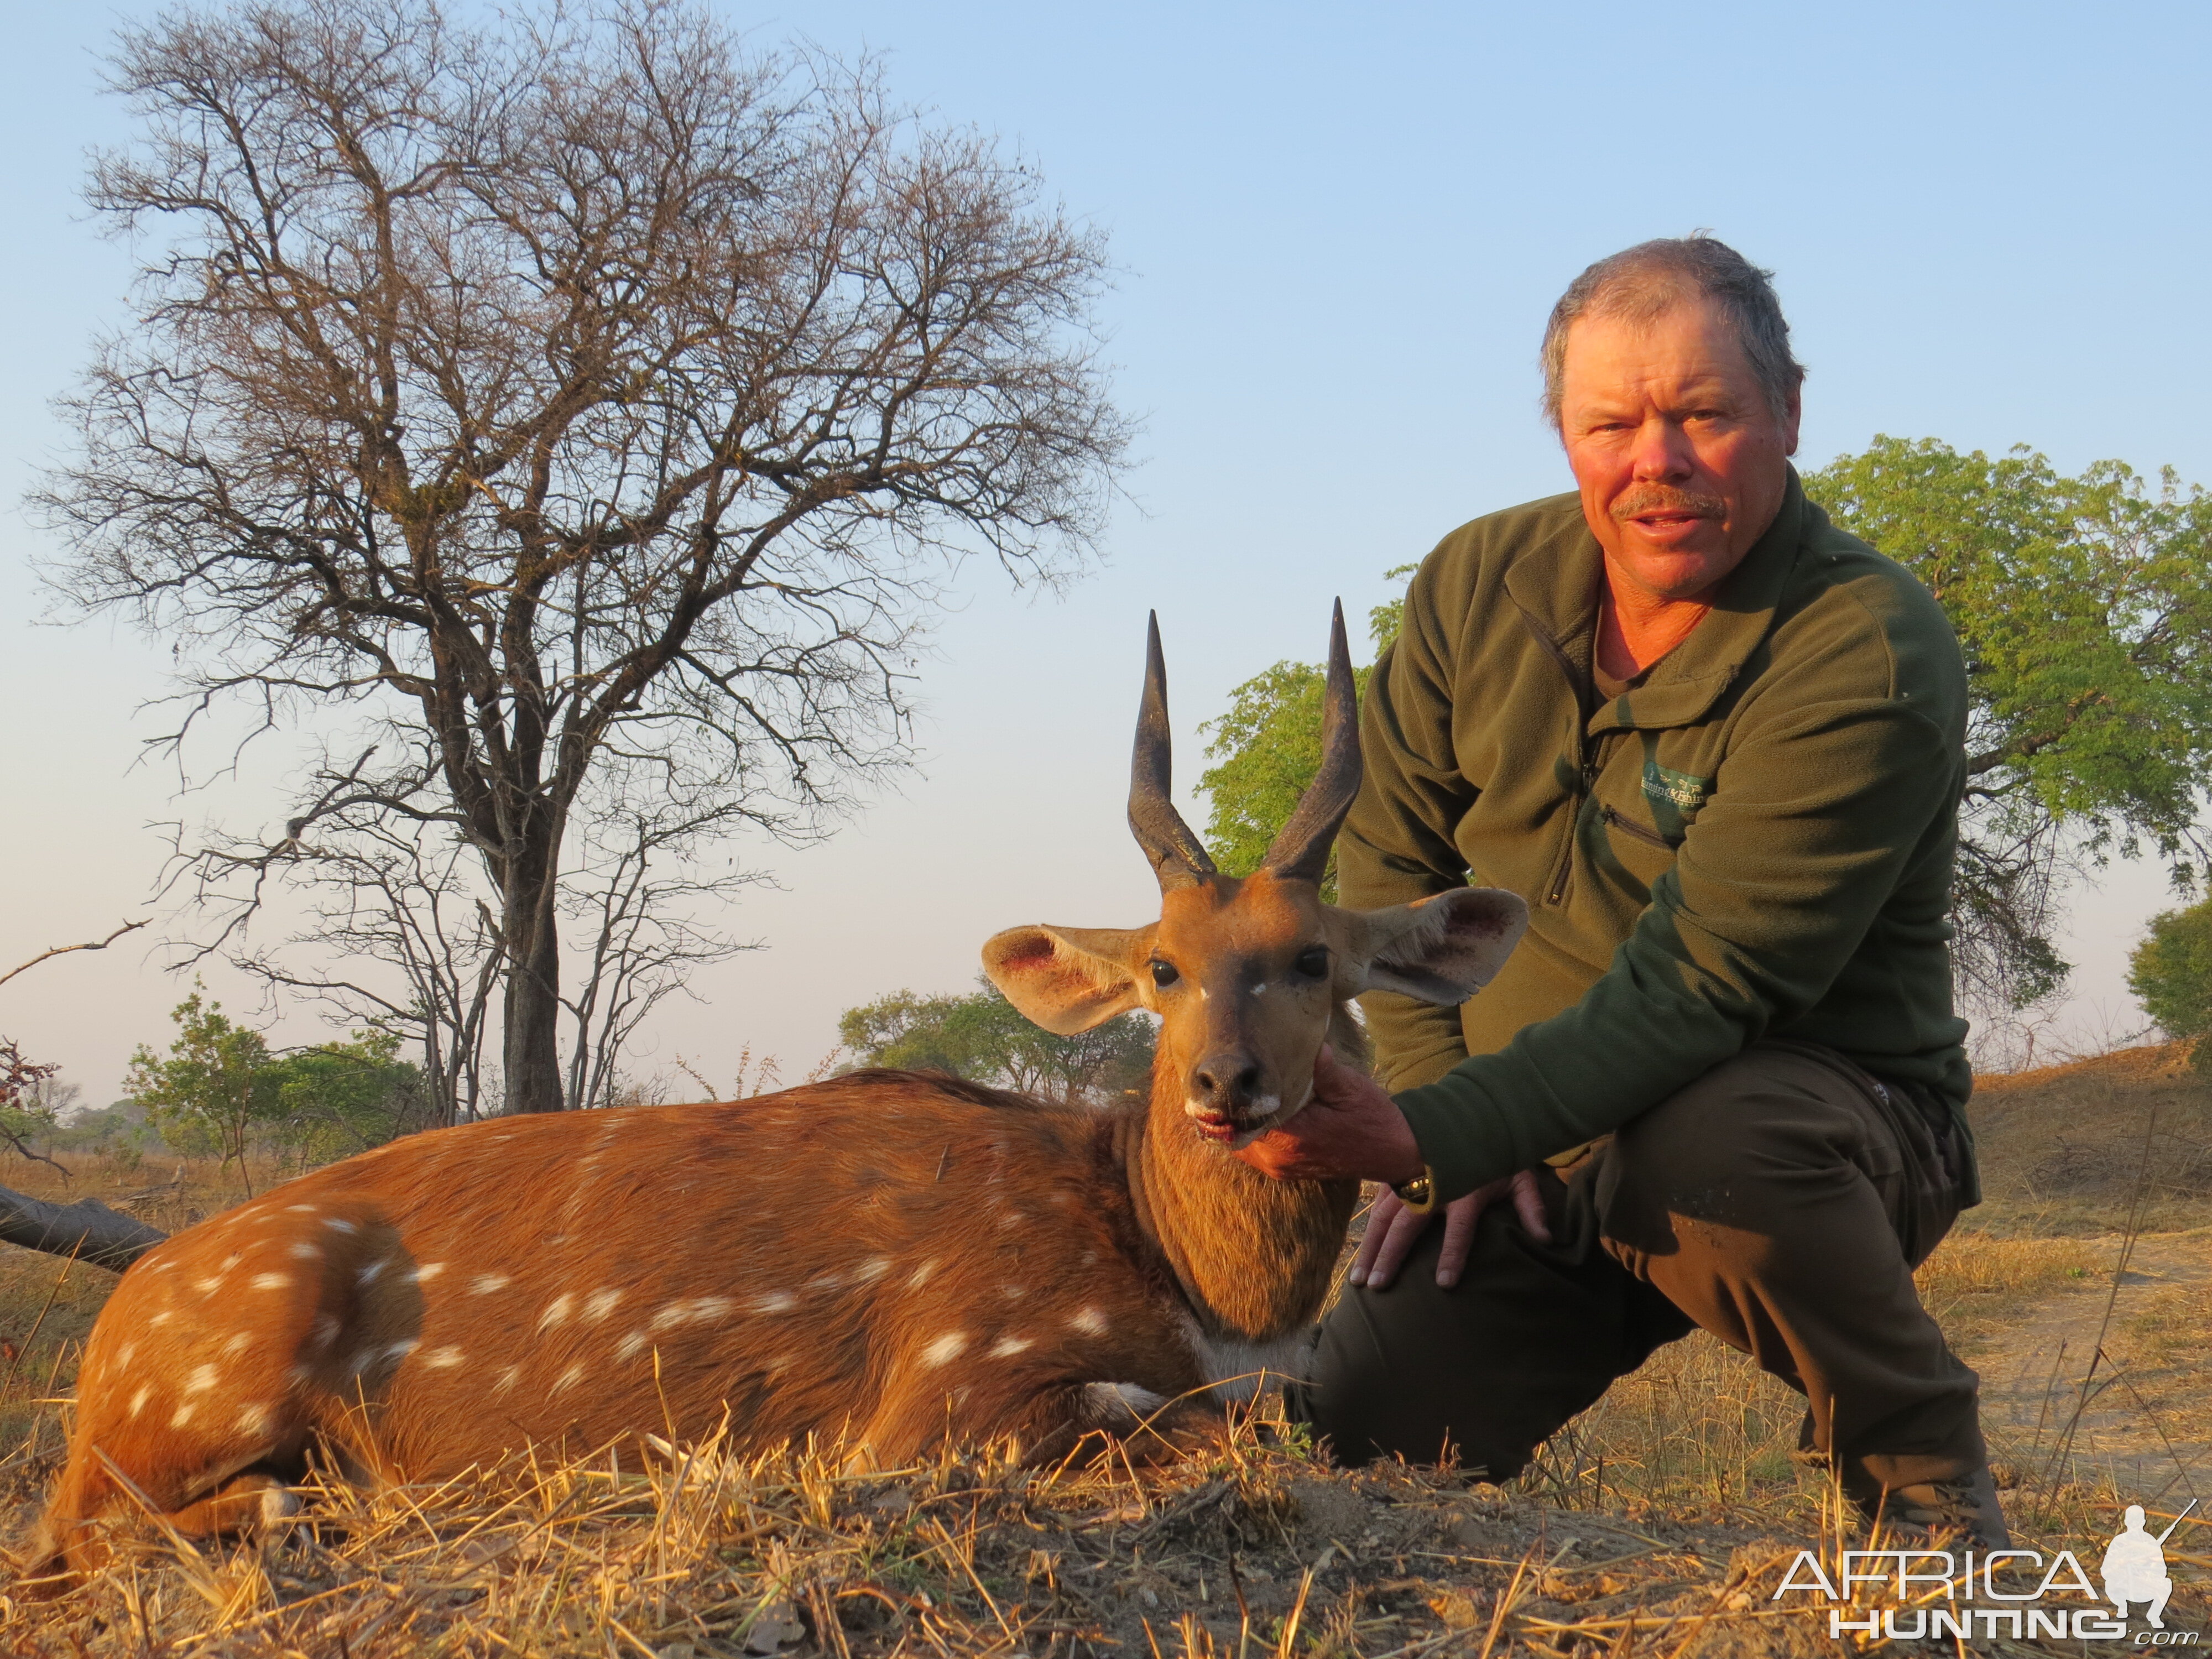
1662	452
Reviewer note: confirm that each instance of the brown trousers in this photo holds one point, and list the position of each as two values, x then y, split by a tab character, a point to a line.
1781	1201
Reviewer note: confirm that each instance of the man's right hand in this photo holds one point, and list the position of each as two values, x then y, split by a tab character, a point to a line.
1392	1229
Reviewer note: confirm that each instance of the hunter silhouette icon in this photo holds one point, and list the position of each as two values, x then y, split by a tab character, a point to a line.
2134	1568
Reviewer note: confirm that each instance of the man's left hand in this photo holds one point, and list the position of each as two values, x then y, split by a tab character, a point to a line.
1349	1128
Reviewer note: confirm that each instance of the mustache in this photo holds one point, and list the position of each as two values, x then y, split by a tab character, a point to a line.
1666	498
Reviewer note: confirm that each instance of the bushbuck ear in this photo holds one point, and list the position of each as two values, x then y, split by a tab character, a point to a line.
1444	949
1067	979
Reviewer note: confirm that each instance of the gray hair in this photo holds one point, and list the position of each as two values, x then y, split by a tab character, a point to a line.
1640	284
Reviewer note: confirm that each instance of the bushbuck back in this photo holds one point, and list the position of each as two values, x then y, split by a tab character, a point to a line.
895	1258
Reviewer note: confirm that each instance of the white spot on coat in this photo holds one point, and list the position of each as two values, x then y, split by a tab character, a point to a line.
326	1330
336	1224
253	1420
1089	1322
139	1400
630	1347
427	1271
1007	1346
569	1378
697	1309
873	1269
181	1416
485	1284
443	1359
601	1303
271	1281
508	1378
236	1345
402	1348
201	1379
556	1311
309	1209
304	1251
776	1302
946	1349
123	1356
920	1275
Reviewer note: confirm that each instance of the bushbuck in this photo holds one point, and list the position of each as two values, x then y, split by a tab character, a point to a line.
895	1258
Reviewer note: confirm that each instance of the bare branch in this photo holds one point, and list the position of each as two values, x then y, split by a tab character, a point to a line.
63	950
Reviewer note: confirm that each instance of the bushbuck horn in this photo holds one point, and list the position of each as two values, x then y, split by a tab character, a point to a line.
1300	849
1178	857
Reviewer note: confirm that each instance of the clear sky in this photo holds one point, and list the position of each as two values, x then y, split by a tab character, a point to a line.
1339	229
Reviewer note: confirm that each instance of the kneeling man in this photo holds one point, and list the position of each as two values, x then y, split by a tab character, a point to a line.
1718	746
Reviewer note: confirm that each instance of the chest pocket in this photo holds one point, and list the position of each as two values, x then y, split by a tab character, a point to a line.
1635	831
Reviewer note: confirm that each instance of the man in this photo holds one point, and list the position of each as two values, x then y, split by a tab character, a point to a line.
1718	745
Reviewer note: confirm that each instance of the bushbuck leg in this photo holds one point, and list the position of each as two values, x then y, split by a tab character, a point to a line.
992	1265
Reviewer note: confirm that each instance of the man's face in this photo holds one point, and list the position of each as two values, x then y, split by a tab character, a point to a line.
1681	462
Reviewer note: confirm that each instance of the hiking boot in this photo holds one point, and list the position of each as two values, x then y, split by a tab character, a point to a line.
1967	1504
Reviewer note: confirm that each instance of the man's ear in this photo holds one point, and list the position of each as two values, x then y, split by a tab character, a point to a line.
1067	979
1444	949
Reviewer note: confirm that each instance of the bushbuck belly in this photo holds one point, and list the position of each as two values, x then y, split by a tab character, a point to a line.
573	1278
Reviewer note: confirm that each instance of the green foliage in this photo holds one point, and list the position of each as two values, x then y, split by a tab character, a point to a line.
220	1089
1267	749
2171	974
212	1088
984	1038
343	1097
2084	606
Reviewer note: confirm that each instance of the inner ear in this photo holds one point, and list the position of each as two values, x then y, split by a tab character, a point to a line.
1444	950
1067	979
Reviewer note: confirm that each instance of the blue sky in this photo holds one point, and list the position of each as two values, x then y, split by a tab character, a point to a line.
1338	232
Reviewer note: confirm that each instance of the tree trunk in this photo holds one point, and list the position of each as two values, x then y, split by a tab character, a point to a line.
532	1054
86	1229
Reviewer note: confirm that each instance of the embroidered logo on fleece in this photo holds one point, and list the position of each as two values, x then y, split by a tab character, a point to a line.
1663	784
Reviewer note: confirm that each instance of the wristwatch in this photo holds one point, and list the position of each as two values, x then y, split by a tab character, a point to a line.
1419	1195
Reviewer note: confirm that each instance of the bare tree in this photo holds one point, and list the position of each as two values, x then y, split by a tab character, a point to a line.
397	936
542	391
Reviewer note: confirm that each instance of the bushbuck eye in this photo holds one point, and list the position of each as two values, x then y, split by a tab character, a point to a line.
1163	975
1313	961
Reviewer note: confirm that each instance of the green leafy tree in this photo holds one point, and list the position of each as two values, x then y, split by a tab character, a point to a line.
343	1097
2084	606
1267	748
983	1037
2171	974
215	1086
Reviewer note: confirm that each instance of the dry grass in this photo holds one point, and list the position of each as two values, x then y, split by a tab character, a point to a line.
2073	1149
1656	1524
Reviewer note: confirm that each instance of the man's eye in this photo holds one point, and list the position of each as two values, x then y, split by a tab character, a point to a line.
1163	975
1313	961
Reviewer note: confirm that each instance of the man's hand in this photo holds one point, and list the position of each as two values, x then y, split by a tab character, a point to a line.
1349	1128
1392	1229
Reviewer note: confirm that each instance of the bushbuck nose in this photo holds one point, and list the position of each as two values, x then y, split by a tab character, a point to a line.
1227	1083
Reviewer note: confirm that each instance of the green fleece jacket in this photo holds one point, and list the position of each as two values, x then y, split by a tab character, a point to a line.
1754	841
